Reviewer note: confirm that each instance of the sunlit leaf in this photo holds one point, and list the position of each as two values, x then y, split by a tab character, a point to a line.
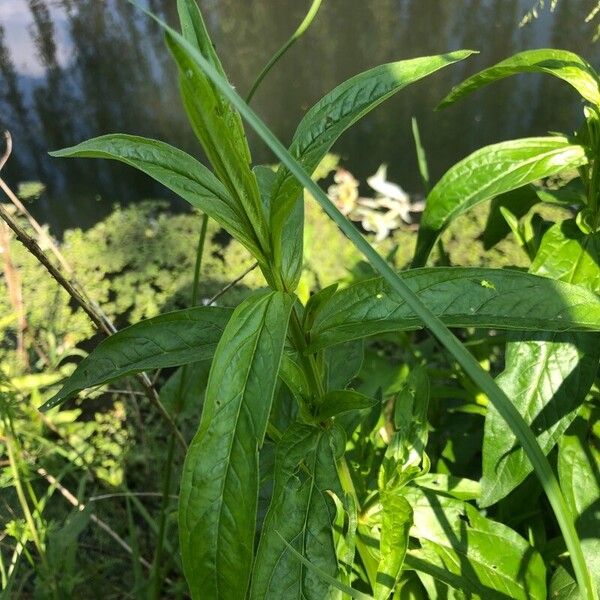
169	340
489	172
324	123
219	484
461	297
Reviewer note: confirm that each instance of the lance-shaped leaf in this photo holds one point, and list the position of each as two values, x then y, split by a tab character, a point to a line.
211	122
176	338
462	297
579	474
561	63
194	31
489	172
220	479
325	122
396	521
301	515
175	170
482	558
336	402
547	378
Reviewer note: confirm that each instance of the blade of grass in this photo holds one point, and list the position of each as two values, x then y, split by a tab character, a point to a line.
308	19
470	365
421	157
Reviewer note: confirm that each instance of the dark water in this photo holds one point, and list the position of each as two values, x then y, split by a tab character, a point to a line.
73	69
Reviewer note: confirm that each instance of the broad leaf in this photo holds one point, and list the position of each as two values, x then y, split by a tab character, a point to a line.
324	123
561	63
343	363
489	172
579	474
396	521
482	558
169	340
177	171
220	479
462	297
449	485
211	120
547	379
301	515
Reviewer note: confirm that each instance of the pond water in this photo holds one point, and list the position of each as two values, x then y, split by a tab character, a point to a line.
73	69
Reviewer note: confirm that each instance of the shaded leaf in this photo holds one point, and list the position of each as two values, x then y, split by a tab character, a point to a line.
461	548
220	479
169	340
547	379
579	475
301	515
489	172
336	402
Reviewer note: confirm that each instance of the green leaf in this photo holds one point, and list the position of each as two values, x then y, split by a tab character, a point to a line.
194	31
405	456
547	378
212	123
301	515
324	123
336	402
449	485
489	172
396	521
169	340
175	170
220	479
343	363
482	558
561	63
461	297
579	476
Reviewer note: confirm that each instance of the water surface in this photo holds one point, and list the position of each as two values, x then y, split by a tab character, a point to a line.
73	69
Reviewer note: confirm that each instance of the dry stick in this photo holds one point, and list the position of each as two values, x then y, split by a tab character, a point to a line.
101	323
231	284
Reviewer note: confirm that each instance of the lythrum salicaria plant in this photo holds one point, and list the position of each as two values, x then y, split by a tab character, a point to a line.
353	510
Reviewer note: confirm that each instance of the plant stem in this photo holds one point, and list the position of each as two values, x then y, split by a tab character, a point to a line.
308	19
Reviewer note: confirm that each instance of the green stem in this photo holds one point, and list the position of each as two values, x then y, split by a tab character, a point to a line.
470	365
158	553
308	19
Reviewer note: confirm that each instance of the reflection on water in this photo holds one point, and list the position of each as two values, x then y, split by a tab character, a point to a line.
73	69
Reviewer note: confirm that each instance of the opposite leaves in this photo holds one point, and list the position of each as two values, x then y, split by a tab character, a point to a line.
219	485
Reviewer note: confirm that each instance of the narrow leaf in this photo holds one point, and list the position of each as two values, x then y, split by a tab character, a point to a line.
579	475
489	172
461	297
396	521
300	517
219	484
169	340
175	170
560	63
325	122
